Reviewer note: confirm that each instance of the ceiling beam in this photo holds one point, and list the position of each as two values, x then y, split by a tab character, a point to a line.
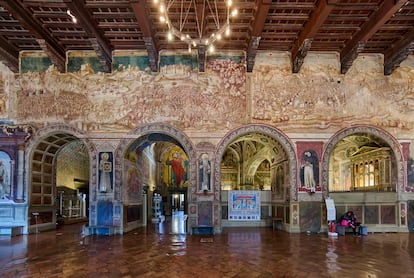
49	45
9	55
262	10
387	9
398	52
139	7
201	53
304	42
99	43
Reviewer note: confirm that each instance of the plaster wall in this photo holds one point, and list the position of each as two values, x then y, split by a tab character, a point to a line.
311	105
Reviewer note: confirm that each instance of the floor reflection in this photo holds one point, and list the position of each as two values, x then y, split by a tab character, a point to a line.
235	252
174	224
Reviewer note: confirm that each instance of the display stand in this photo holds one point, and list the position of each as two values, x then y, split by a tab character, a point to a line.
157	216
331	217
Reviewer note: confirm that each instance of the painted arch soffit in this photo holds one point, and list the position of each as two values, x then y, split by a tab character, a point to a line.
60	130
178	137
381	135
263	131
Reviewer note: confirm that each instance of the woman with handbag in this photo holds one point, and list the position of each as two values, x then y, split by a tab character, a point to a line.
349	220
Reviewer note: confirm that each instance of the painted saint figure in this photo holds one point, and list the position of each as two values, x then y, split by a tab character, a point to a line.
178	165
204	173
105	168
309	171
4	186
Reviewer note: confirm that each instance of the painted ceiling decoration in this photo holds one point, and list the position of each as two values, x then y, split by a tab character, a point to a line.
347	27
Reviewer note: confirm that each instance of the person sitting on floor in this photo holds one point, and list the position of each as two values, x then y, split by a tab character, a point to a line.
349	220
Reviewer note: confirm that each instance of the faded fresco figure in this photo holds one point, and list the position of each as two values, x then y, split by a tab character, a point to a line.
105	169
204	173
4	185
309	171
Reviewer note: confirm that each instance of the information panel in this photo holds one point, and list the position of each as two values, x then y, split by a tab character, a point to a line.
244	205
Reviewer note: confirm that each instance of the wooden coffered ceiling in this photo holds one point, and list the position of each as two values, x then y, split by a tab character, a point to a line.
348	27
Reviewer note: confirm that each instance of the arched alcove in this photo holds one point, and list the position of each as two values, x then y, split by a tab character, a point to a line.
42	191
265	144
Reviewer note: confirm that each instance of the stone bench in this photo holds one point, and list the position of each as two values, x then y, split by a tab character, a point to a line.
203	230
11	230
342	230
277	223
102	230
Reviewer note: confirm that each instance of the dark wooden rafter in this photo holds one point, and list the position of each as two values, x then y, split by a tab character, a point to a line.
9	55
301	54
351	56
305	38
387	9
99	43
398	53
201	28
251	53
144	22
257	29
201	53
48	44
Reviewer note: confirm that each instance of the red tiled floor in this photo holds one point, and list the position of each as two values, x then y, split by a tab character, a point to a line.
237	252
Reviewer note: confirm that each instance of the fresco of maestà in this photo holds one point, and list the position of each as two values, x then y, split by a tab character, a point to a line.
317	99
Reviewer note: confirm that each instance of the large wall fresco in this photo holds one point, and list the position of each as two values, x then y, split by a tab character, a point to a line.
320	98
97	102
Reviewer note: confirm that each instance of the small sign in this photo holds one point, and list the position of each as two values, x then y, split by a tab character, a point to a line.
330	209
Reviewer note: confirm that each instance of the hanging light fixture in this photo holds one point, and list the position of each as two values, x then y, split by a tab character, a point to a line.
202	9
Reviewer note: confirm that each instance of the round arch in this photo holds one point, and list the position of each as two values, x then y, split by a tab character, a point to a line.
162	128
270	131
41	154
341	134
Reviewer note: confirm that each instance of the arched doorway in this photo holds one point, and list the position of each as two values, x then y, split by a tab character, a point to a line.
58	178
363	171
258	160
157	176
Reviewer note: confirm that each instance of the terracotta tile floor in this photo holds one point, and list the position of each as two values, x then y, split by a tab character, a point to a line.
248	252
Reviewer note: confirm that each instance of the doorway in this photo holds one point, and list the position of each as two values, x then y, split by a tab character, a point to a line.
177	202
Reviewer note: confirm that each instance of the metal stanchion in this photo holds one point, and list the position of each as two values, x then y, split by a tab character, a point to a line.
36	214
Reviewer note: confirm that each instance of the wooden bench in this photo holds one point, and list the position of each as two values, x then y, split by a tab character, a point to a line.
203	230
11	230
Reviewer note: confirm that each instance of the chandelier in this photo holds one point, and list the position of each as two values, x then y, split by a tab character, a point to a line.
201	10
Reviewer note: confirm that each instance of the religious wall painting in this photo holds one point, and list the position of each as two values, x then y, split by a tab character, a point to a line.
309	172
277	183
3	96
205	214
176	168
204	173
105	184
5	174
410	175
134	184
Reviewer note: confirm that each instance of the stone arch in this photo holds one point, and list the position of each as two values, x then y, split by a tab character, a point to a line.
266	130
166	129
387	137
41	153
